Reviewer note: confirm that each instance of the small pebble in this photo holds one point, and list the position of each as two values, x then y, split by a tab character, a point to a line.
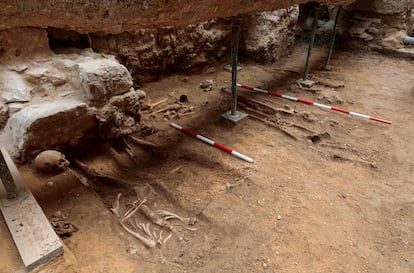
279	217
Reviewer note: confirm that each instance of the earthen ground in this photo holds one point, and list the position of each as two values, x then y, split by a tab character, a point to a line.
342	204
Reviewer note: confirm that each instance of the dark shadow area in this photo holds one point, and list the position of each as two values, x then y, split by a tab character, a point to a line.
62	38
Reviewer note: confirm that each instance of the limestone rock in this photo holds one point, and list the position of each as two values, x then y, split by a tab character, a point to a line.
270	35
50	125
105	78
13	88
15	107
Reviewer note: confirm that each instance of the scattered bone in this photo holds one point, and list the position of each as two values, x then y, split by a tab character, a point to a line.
115	206
301	127
150	106
169	107
338	146
129	150
142	142
268	109
340	157
174	171
177	109
266	121
61	225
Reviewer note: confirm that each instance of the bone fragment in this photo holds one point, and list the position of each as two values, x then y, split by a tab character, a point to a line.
142	142
115	206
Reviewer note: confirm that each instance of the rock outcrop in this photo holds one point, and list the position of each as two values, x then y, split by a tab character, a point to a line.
51	101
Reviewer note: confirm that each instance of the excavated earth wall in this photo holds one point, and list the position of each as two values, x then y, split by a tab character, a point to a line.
54	96
117	16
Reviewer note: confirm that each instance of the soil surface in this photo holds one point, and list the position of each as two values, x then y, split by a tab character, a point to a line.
327	192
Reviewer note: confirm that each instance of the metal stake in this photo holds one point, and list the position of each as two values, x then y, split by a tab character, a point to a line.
234	115
305	82
234	55
332	42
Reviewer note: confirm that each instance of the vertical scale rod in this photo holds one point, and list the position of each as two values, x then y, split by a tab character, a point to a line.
332	42
311	43
234	54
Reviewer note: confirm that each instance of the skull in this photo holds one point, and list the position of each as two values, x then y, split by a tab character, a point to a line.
51	161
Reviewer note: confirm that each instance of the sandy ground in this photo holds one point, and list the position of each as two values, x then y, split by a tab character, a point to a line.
338	198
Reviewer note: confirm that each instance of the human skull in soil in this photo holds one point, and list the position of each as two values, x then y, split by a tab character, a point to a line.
50	161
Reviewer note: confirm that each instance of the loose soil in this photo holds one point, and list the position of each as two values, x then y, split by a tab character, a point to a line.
339	198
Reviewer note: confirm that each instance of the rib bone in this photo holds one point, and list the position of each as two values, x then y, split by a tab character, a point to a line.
146	241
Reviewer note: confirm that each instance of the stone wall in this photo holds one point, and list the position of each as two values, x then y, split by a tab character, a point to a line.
381	25
150	53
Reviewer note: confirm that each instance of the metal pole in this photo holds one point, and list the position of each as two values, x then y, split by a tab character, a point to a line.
311	43
332	42
234	54
233	115
8	181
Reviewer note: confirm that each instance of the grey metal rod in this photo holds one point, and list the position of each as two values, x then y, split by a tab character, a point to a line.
332	41
311	43
234	55
7	179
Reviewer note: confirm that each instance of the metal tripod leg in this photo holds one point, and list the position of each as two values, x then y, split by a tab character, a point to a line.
332	41
305	81
234	115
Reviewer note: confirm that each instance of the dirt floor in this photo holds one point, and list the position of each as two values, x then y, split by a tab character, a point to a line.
327	192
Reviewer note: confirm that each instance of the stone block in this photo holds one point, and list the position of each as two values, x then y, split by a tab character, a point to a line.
49	125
